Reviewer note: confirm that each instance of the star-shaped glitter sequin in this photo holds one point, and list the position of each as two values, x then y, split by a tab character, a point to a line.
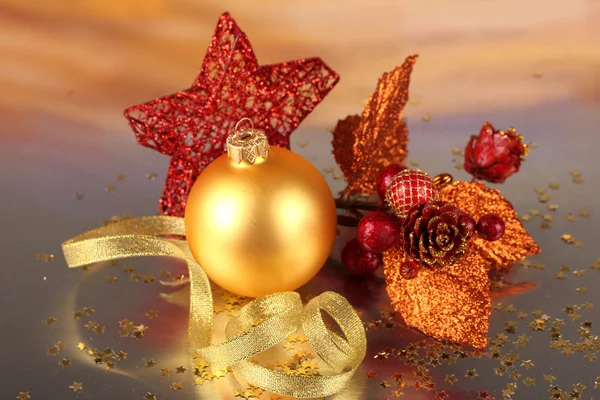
176	386
23	396
191	126
76	386
150	396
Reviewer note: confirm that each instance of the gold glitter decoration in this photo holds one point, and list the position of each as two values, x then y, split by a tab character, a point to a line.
150	396
176	386
476	199
364	145
447	304
50	321
76	386
23	396
46	257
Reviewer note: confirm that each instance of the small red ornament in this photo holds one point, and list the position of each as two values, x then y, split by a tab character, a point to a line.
494	155
192	125
377	232
469	223
385	178
358	262
409	269
491	227
409	188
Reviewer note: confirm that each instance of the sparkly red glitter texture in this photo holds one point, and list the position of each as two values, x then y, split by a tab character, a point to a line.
384	180
192	125
409	188
377	232
359	262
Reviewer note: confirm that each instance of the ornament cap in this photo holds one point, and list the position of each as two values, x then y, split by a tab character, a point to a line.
247	144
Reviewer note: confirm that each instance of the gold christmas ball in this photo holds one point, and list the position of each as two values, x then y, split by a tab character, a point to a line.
260	220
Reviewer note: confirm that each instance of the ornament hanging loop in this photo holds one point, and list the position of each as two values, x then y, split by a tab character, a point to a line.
248	144
243	133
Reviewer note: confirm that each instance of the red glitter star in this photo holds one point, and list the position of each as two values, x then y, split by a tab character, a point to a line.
192	125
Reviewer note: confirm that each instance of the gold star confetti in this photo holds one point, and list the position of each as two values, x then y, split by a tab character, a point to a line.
121	177
337	176
577	179
82	346
567	238
471	373
385	384
152	314
176	386
23	396
111	279
426	117
584	213
597	383
50	321
459	166
150	363
76	386
150	396
181	369
302	143
288	346
121	355
456	150
109	189
451	379
151	175
166	372
534	212
544	198
46	257
64	362
529	382
329	170
570	217
527	364
552	207
526	218
581	290
549	378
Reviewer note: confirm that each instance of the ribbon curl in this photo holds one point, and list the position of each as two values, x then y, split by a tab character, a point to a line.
260	324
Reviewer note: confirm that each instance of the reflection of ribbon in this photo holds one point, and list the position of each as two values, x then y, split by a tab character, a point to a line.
259	325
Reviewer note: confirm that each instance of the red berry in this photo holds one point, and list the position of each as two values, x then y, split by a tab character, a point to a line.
491	227
469	223
383	182
409	269
377	232
359	262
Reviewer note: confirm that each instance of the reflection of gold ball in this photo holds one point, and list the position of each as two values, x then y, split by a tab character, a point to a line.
261	228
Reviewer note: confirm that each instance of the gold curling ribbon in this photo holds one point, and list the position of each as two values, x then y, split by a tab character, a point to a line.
260	324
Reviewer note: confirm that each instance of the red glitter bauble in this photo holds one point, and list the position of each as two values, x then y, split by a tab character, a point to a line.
469	222
192	125
491	227
409	269
385	178
359	262
377	232
408	189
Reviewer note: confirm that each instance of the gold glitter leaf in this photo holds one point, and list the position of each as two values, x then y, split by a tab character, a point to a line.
476	199
364	145
446	304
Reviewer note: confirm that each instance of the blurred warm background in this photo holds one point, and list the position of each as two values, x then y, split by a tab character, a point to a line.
88	59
